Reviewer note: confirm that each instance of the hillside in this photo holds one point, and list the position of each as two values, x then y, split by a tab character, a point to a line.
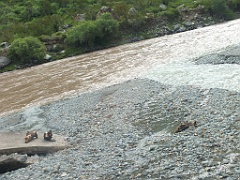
71	27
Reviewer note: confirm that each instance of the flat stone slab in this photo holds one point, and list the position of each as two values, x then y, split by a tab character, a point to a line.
14	143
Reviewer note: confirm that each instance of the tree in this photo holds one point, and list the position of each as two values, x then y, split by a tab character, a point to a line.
27	50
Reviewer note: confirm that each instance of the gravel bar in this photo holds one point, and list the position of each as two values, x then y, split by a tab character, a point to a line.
125	131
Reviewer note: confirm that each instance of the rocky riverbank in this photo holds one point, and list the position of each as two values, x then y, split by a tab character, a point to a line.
125	131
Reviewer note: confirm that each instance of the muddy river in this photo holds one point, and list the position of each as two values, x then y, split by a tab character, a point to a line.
48	82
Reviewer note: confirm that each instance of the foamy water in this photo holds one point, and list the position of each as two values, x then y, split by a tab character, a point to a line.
165	59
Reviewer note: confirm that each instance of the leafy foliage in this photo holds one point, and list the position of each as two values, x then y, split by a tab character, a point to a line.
221	8
107	26
234	5
45	18
26	50
84	33
90	32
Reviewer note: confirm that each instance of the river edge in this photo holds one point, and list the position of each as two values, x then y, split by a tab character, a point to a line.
125	131
59	79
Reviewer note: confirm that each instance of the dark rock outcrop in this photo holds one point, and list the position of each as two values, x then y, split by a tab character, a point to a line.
11	163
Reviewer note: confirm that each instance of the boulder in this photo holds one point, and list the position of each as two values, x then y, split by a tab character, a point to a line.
16	161
4	47
48	57
106	9
132	11
181	9
11	164
162	7
4	61
11	143
4	44
176	27
188	23
80	17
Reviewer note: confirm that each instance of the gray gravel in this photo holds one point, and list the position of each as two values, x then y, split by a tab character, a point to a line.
231	56
125	131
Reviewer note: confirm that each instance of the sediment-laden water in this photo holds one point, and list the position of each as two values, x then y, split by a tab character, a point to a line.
99	69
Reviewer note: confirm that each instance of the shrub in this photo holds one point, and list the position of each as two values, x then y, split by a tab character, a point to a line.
121	9
90	32
218	7
107	26
27	50
171	13
44	26
84	33
234	5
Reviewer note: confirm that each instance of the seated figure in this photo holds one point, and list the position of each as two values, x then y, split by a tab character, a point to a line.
30	135
48	135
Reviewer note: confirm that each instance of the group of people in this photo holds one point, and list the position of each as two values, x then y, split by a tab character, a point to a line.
30	135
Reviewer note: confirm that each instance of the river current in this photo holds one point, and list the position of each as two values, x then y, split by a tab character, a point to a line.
164	59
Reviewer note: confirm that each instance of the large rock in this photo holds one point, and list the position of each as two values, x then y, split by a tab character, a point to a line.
106	9
9	163
132	11
48	57
4	45
14	143
162	7
80	17
182	9
16	161
4	61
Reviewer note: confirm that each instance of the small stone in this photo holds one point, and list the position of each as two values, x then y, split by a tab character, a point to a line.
22	158
63	174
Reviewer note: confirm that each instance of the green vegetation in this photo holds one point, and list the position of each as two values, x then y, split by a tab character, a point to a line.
89	33
57	22
85	33
27	50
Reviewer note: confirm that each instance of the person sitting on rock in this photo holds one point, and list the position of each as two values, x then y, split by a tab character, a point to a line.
28	138
30	135
48	135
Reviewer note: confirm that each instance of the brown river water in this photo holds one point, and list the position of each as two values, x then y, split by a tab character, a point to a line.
55	80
